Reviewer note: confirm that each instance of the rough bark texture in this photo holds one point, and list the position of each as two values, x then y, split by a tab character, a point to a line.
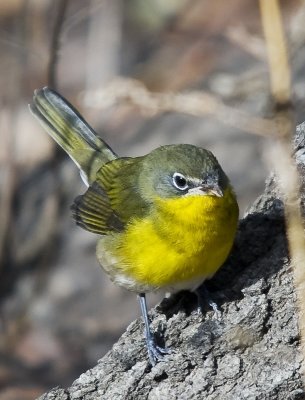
251	352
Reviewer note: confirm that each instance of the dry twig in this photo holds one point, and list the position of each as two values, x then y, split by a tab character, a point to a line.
193	103
287	172
55	42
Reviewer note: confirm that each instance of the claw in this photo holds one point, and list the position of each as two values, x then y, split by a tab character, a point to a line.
155	352
204	297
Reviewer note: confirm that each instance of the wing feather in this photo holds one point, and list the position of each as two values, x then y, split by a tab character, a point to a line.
112	200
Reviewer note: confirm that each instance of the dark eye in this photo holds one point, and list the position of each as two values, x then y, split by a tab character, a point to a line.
180	181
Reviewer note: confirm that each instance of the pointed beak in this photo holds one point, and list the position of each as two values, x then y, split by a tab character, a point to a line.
212	190
206	189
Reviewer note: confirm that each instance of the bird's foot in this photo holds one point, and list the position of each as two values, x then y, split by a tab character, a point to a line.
156	353
204	298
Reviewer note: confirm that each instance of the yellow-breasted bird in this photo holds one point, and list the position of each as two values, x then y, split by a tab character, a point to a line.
166	220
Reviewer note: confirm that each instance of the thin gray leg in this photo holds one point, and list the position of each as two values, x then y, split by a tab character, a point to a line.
155	353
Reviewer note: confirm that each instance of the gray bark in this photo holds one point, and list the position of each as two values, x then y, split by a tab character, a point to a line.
252	351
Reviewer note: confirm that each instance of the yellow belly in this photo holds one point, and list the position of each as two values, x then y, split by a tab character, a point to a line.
183	241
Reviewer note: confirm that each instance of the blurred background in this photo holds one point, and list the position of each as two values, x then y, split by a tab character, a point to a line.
123	64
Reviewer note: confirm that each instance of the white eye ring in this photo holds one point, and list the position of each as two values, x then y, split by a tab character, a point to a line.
179	181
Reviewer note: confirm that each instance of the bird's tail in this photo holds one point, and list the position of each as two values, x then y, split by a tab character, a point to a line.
66	126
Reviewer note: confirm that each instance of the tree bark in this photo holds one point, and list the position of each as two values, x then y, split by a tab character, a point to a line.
252	351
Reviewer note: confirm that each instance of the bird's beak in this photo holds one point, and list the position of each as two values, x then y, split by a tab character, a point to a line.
216	191
206	190
212	190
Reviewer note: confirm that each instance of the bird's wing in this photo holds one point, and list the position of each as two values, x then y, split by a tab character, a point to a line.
112	200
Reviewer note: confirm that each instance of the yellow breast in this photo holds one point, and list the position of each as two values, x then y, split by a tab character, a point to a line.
183	240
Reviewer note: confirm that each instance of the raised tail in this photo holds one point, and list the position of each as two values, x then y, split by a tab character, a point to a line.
66	126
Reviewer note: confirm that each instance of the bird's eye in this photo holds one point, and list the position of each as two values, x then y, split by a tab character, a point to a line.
180	181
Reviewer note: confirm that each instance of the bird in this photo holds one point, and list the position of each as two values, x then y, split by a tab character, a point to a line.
165	221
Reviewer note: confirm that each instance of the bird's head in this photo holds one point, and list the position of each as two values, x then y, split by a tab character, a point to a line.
175	171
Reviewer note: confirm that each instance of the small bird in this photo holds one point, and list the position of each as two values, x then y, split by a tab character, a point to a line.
166	220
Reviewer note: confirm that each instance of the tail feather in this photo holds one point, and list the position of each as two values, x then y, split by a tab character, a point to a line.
66	126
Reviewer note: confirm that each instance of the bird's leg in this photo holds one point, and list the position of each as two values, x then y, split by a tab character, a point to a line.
155	353
203	298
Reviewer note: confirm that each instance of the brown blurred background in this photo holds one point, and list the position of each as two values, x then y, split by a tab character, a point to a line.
59	312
